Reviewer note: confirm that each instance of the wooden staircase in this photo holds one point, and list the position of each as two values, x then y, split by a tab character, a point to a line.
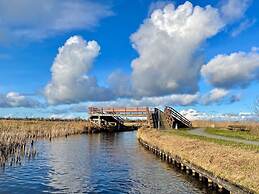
173	117
170	118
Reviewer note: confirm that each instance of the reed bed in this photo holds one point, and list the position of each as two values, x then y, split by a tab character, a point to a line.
17	137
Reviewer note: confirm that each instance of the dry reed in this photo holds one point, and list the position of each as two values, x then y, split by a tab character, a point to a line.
237	165
17	136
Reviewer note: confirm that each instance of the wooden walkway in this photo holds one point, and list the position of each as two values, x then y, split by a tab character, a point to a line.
169	118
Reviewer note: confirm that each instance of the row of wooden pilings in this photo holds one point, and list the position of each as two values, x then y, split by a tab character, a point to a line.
214	183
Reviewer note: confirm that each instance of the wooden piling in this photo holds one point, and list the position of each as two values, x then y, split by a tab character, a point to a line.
203	176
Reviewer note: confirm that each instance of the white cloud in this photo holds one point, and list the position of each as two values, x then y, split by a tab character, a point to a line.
193	114
215	95
32	19
232	10
14	99
65	116
180	99
243	26
157	5
70	82
168	45
174	99
236	69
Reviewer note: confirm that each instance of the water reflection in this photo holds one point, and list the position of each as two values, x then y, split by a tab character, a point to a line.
98	163
69	167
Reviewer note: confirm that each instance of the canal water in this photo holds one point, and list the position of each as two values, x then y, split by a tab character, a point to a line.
95	163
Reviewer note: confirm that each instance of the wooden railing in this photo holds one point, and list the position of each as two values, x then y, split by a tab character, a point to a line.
121	111
178	116
119	119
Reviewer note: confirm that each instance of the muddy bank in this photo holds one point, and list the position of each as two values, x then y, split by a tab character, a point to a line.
236	166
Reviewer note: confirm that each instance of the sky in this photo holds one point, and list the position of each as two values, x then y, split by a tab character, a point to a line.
59	57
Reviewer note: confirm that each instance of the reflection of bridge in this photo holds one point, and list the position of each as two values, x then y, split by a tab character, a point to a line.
113	116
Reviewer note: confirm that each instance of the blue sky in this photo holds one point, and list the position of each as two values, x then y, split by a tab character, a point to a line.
117	73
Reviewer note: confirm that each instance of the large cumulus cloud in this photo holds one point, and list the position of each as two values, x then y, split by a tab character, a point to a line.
168	46
70	82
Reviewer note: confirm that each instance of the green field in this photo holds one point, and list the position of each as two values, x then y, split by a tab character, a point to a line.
234	134
185	133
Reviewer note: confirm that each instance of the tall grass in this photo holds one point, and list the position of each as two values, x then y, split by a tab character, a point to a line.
18	136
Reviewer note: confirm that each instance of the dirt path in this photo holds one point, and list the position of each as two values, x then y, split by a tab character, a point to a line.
202	132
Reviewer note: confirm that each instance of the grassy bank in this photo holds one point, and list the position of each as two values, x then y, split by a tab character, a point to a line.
185	133
17	136
236	134
239	166
253	127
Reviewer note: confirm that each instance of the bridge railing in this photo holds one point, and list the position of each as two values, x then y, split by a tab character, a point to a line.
122	111
178	116
119	119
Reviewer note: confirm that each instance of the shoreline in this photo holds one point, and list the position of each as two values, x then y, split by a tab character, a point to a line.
216	163
17	136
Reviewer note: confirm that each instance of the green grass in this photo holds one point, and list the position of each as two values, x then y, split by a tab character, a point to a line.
234	134
185	133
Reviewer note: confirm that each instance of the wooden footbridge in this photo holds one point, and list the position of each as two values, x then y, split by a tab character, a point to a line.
114	117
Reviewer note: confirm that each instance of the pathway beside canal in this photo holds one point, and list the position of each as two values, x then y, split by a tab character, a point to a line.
202	132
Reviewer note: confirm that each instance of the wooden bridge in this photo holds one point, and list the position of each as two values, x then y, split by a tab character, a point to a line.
113	116
120	111
169	118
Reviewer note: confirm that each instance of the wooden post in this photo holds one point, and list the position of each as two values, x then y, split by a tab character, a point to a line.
99	121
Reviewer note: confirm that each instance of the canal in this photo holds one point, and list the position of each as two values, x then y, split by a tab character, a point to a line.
96	163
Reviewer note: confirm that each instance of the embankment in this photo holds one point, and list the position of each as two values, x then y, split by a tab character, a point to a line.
236	166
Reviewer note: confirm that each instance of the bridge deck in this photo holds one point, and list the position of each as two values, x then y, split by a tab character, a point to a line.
170	118
120	111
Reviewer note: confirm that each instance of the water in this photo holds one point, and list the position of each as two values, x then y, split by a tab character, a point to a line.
98	163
